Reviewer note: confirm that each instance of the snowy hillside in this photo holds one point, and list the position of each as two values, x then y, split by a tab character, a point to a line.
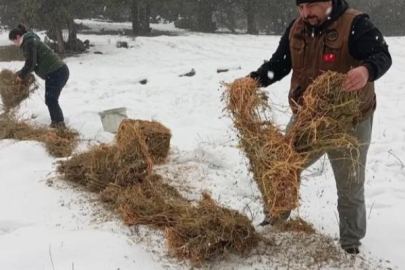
48	224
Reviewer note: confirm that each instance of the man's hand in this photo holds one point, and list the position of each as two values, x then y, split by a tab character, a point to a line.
19	79
356	79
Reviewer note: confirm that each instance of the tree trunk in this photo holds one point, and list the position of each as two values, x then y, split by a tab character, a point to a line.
251	17
72	31
57	31
140	12
205	13
74	44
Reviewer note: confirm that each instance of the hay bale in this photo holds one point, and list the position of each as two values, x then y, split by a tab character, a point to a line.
59	143
326	119
157	137
275	165
12	91
102	165
209	231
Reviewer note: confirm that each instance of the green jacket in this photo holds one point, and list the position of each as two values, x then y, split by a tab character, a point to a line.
38	57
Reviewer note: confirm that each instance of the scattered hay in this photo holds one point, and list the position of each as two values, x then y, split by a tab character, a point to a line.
58	142
122	173
150	202
102	165
275	164
194	232
326	119
157	137
12	128
296	225
209	231
12	91
197	233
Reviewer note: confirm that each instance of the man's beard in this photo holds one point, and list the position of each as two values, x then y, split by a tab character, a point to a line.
315	22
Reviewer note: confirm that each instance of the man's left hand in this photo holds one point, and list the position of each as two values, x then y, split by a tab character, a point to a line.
356	79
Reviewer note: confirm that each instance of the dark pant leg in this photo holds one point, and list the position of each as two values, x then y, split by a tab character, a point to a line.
54	84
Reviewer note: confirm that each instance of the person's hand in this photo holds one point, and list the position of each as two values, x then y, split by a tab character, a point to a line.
19	79
356	79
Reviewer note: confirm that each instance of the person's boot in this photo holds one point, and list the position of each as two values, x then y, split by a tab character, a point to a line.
57	125
352	250
269	220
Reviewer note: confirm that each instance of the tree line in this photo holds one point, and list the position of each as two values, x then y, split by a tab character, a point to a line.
247	16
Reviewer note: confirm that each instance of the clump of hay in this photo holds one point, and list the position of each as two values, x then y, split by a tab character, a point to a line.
275	164
197	233
295	225
208	231
58	142
326	119
157	137
103	165
12	91
150	202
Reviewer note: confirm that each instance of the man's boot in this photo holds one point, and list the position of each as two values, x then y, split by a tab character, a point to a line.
269	220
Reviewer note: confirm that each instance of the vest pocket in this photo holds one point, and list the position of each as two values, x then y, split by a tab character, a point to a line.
297	50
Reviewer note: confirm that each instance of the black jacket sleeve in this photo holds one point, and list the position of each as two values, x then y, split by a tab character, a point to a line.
279	65
366	43
30	54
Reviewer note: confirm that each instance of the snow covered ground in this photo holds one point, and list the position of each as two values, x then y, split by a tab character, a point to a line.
48	224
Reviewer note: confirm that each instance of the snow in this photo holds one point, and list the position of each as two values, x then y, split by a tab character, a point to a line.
48	224
270	74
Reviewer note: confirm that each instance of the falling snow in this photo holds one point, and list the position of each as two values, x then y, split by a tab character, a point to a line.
270	74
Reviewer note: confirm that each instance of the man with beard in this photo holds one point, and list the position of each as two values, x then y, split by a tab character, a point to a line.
328	35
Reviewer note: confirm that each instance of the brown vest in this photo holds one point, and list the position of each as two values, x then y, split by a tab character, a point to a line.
328	50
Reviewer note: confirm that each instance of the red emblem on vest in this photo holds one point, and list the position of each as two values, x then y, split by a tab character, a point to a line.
329	57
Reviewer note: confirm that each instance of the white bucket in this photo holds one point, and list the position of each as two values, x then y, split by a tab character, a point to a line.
111	119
